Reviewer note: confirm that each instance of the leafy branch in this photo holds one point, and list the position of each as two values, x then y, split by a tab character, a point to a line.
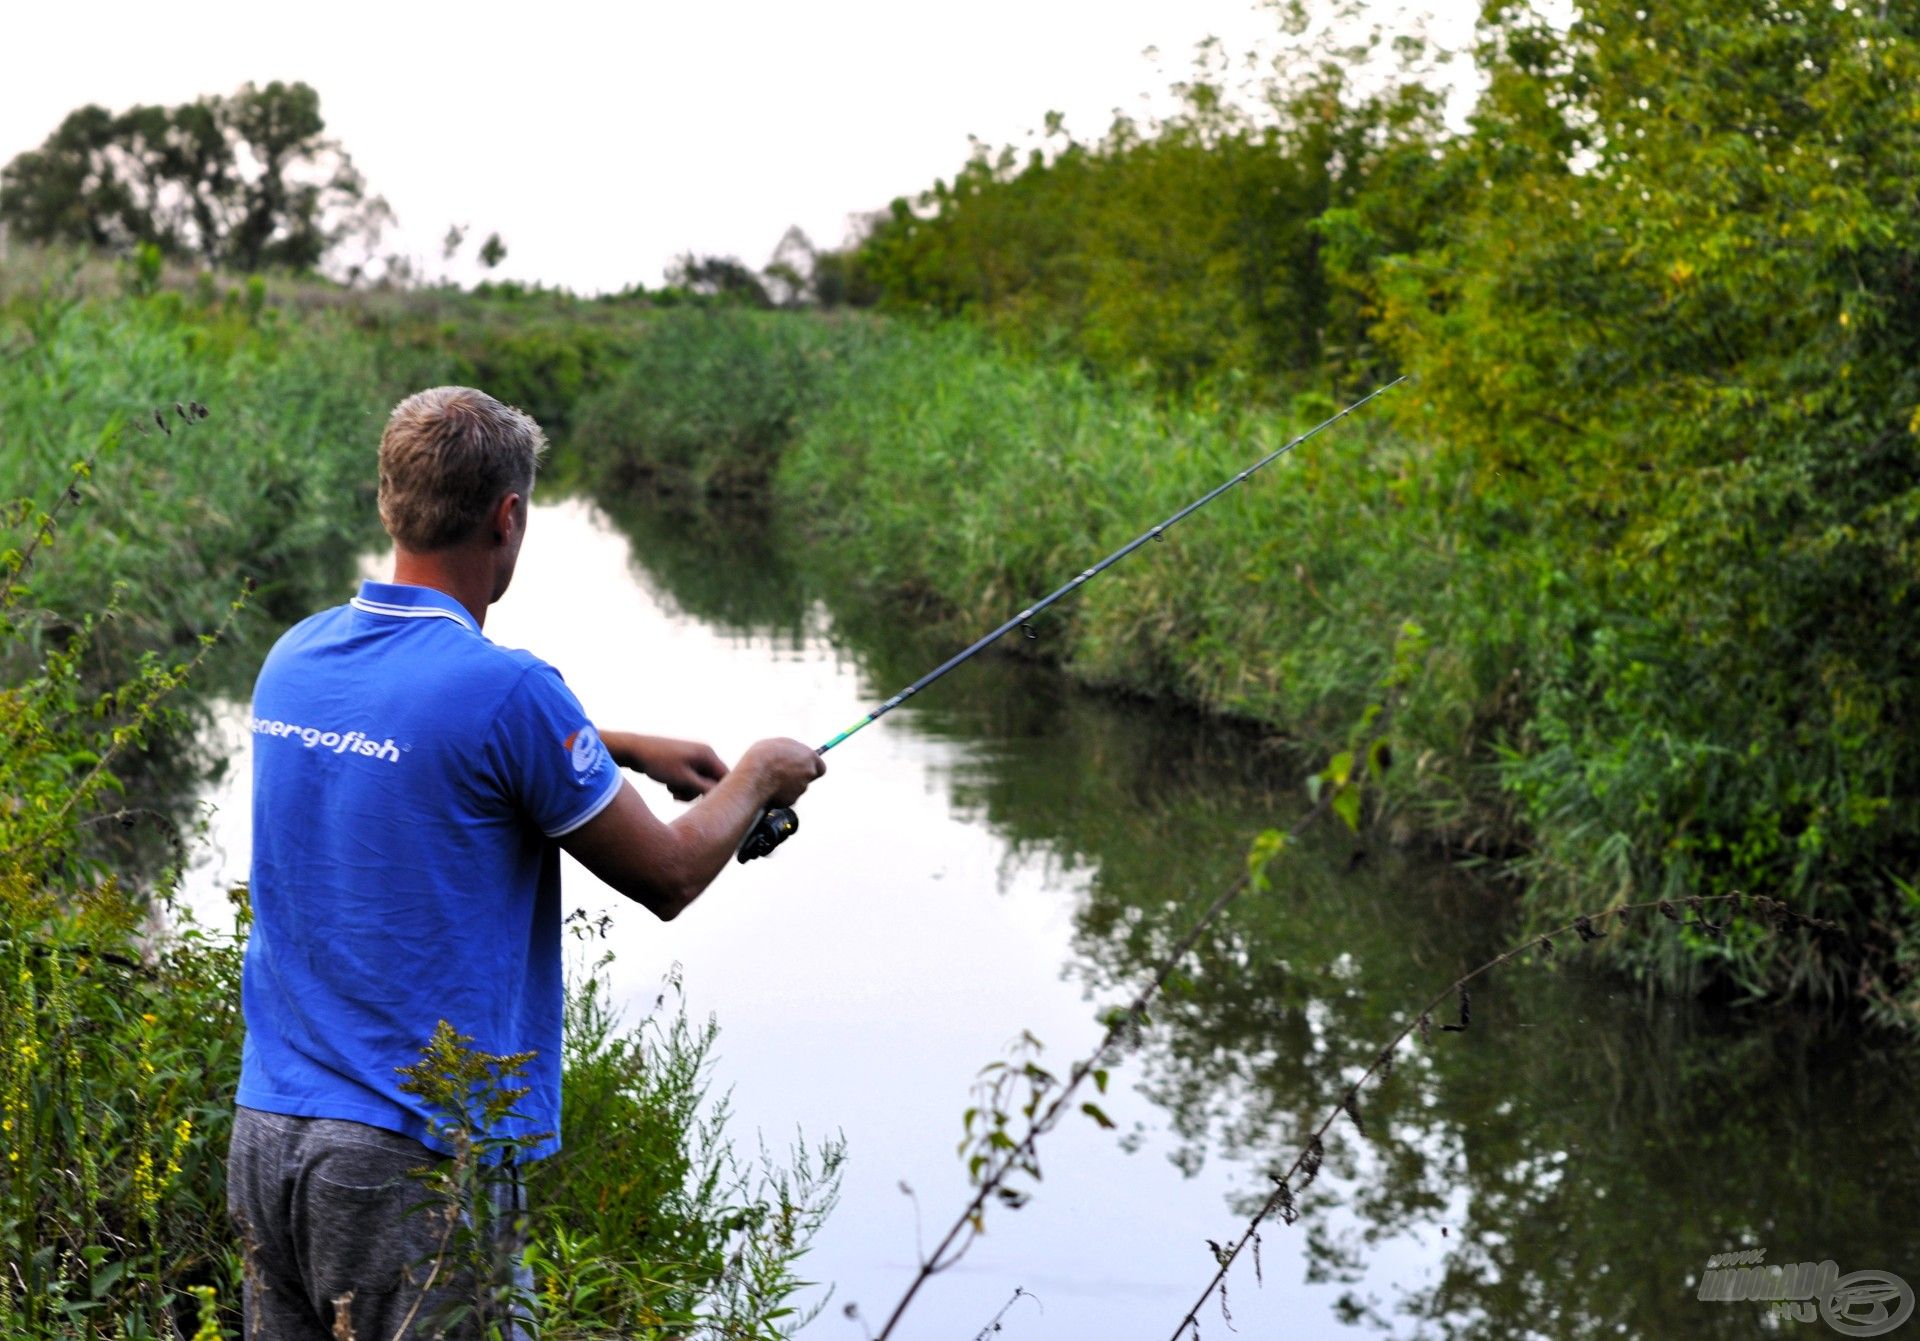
45	524
142	697
476	1192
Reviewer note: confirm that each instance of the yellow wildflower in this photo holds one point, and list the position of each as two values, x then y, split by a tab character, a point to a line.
145	1192
209	1328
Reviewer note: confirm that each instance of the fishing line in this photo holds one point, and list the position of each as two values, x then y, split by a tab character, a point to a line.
778	823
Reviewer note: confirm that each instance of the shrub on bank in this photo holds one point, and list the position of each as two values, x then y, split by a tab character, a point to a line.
706	398
272	479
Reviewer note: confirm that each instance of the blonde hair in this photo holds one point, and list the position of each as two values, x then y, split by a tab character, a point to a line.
448	455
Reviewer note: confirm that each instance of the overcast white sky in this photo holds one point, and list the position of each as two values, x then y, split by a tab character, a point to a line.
601	140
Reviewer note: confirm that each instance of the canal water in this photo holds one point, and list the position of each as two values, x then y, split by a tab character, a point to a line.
1009	853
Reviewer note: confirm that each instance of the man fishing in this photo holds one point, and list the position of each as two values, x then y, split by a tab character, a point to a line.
413	786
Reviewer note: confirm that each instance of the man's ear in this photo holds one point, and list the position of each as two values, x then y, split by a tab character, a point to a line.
505	518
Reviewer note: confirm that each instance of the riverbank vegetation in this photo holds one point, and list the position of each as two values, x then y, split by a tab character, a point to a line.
1649	504
201	467
1650	493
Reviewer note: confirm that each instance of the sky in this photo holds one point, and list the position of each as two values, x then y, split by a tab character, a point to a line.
602	140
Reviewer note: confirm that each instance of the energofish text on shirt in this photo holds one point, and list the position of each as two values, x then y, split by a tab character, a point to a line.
335	742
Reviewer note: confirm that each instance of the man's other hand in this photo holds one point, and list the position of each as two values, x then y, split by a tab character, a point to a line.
686	768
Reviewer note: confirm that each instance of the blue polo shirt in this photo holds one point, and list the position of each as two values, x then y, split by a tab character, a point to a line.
409	780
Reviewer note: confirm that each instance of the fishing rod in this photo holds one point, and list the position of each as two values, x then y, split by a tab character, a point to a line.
776	824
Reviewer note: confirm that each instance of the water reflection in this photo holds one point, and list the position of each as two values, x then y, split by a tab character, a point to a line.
1584	1147
1008	852
739	570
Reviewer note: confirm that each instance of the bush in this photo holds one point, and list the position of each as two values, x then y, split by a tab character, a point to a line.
656	1221
1675	341
706	400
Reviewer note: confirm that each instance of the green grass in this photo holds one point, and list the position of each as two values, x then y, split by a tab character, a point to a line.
701	400
119	1049
274	484
1559	719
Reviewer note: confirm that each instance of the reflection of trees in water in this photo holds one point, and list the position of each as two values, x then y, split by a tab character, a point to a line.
1601	1145
731	567
1595	1146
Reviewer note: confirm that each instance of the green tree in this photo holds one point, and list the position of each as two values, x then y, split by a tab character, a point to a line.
1677	329
840	277
788	273
1186	251
721	277
244	182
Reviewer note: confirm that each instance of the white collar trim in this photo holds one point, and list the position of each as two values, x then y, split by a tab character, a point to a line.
409	611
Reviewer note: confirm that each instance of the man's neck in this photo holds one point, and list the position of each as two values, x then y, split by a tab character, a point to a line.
459	573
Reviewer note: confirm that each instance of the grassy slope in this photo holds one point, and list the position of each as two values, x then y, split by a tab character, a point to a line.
938	469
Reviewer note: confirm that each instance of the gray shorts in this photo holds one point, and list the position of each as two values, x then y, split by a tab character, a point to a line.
332	1227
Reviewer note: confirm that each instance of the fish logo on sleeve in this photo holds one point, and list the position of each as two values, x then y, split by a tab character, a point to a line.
584	747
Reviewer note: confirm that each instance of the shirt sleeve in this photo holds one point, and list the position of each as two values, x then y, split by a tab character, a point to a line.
552	760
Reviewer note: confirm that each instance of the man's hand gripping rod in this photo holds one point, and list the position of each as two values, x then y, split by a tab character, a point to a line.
776	824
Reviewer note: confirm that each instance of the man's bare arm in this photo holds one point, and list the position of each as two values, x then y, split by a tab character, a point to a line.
665	866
